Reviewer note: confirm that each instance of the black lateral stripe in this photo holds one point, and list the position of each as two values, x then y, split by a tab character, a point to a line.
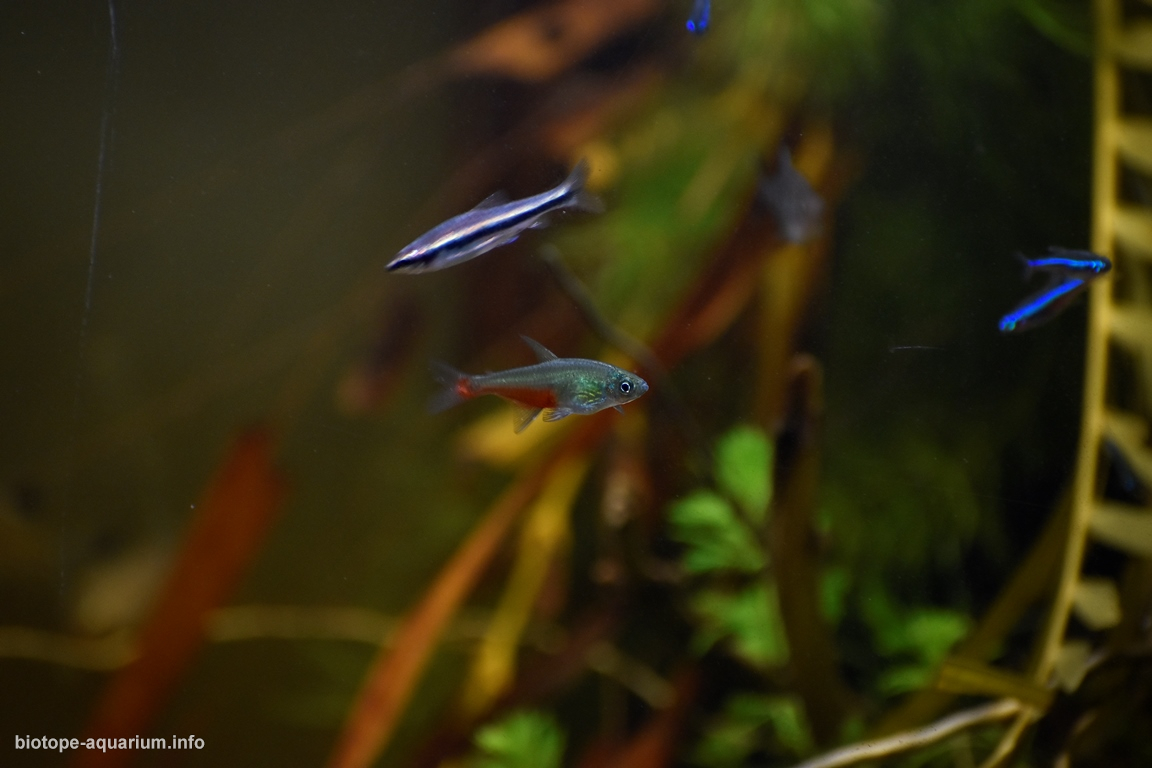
498	224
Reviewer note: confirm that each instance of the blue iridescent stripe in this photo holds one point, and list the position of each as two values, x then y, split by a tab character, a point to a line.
1042	306
701	17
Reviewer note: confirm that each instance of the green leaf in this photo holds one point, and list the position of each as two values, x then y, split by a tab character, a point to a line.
790	724
927	634
715	537
744	725
903	679
744	470
521	740
932	633
834	593
726	744
749	618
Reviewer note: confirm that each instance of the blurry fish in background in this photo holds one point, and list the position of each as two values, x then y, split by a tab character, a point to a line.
1069	274
1063	263
562	386
492	223
701	17
371	382
792	200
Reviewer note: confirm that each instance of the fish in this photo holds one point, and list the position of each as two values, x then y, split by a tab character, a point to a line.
701	17
1062	263
492	223
1069	273
1041	307
798	208
561	386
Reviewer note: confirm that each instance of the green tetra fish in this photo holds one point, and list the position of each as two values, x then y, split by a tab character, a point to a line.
560	385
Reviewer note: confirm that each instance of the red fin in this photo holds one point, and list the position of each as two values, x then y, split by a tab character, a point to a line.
456	387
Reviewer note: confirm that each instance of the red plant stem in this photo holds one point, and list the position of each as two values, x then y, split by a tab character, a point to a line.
237	511
396	670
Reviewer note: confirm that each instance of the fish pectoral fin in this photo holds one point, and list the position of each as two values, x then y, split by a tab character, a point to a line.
556	414
493	200
543	354
619	408
540	222
524	417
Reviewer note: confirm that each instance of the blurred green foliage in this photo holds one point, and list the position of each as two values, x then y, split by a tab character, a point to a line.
749	618
741	458
966	128
724	535
746	724
522	739
714	537
733	601
913	642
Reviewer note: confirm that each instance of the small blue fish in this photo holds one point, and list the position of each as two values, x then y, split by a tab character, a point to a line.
795	204
1064	263
491	224
1041	307
562	386
701	17
1069	274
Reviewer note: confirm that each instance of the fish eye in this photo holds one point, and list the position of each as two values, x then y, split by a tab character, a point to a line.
625	387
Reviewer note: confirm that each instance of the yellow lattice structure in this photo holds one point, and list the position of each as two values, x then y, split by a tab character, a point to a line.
1118	323
1123	232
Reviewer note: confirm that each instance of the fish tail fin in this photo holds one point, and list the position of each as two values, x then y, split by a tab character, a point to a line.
455	387
580	197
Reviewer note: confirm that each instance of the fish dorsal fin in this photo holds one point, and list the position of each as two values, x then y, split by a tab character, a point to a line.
493	200
524	417
543	354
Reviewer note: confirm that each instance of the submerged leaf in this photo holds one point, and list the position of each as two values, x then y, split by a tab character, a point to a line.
715	536
927	634
744	470
727	742
751	618
521	740
790	724
905	678
932	633
746	724
834	593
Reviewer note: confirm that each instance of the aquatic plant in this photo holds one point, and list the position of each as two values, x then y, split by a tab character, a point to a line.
882	533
